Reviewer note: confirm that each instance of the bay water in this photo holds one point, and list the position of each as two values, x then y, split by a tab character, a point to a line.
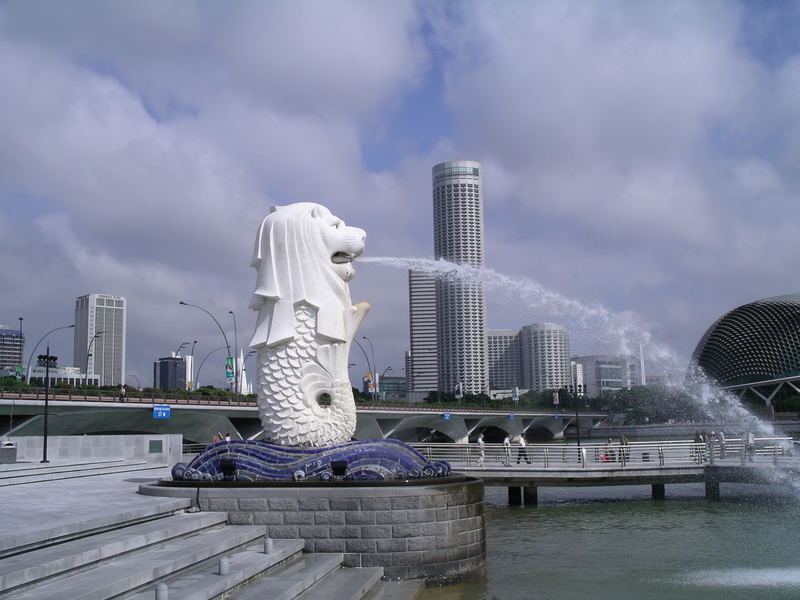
617	543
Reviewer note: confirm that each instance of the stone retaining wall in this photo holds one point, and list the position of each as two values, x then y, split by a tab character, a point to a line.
433	531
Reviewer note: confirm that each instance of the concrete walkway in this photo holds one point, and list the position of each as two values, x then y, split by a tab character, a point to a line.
37	511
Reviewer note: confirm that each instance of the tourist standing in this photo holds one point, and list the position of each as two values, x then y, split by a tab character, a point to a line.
481	449
698	440
721	441
750	446
217	438
507	450
624	447
608	451
522	452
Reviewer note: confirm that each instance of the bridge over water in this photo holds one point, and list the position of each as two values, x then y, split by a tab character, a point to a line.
199	418
772	461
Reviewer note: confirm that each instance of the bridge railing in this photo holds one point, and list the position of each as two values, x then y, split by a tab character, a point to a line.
675	453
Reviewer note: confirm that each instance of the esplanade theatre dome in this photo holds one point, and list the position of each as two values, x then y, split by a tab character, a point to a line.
754	342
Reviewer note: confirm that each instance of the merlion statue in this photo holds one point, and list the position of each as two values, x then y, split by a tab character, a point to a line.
306	324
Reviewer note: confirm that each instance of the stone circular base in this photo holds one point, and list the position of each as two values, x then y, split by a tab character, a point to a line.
431	530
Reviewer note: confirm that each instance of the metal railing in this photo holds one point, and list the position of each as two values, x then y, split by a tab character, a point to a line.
666	453
131	397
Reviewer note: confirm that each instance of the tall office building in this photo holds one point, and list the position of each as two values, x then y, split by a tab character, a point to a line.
545	357
95	352
505	362
421	372
12	343
460	305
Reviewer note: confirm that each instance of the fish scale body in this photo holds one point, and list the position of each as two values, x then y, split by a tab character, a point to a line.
291	377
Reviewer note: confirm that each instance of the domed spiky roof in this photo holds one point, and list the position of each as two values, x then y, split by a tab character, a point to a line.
754	342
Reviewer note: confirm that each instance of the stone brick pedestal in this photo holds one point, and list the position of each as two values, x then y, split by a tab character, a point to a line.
431	530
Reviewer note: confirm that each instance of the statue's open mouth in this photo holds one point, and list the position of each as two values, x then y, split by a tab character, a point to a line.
341	258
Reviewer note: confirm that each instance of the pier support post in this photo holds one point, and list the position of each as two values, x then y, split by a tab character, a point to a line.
514	496
658	491
530	494
712	490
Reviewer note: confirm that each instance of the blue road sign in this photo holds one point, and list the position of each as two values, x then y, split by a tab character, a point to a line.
161	411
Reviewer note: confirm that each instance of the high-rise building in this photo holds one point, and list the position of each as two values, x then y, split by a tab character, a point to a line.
505	361
99	343
545	357
12	344
609	372
421	372
169	373
460	305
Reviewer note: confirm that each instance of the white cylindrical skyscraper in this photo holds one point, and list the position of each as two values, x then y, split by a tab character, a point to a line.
460	306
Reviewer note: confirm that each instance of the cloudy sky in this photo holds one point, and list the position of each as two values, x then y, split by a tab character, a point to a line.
641	155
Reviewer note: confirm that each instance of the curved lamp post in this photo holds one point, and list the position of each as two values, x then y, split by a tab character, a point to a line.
197	380
138	383
33	352
88	354
222	331
364	352
386	370
374	366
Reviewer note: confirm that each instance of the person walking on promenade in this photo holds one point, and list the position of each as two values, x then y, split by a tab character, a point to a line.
481	449
507	450
522	452
217	438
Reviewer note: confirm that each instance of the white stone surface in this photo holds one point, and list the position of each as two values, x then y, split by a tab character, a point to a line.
306	323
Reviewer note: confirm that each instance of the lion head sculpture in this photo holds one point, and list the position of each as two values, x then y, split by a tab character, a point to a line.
303	253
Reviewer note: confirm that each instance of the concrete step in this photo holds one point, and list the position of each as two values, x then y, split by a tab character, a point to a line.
44	563
408	589
27	468
344	584
292	579
87	471
204	581
138	569
89	524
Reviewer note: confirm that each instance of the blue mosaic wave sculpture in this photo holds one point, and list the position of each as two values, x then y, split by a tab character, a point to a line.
370	460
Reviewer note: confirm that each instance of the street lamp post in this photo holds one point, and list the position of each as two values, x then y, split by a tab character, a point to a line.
138	383
372	373
46	361
576	396
381	378
222	331
88	354
33	353
235	354
181	347
197	381
374	366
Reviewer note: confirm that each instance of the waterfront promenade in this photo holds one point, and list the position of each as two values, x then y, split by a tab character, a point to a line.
656	464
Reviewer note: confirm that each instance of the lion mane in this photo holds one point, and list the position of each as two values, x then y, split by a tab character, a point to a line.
294	265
